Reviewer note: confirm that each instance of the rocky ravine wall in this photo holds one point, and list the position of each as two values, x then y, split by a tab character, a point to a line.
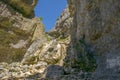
16	32
25	49
64	23
96	25
88	50
26	7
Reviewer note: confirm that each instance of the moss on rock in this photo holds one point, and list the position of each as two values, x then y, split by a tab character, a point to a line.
25	7
8	35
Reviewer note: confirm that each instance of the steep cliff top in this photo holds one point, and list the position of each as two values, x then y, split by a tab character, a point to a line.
25	7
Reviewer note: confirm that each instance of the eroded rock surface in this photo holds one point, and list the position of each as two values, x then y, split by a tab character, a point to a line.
16	33
84	44
96	24
64	23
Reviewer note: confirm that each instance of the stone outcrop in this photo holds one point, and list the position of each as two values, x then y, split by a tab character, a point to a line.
16	33
63	23
25	7
25	49
96	24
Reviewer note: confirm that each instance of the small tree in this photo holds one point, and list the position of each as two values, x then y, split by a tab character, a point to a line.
41	18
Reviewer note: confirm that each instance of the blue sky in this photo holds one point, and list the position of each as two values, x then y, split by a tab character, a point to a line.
49	10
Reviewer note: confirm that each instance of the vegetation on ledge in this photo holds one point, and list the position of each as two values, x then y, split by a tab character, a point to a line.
25	7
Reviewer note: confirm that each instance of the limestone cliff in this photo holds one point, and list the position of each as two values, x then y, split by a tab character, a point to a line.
84	44
25	7
16	32
64	23
25	49
96	31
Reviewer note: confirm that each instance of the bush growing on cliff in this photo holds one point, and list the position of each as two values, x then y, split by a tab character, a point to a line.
85	59
40	18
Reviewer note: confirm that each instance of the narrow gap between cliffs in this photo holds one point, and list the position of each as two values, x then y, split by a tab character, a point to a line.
49	11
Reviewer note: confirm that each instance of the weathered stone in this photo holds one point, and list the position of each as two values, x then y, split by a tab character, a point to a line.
84	44
53	71
97	21
63	24
16	33
24	7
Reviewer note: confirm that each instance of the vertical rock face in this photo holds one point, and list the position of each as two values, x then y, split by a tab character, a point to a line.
97	23
84	44
25	45
25	7
64	23
16	31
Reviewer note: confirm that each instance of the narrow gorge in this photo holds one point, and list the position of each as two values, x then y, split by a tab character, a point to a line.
83	45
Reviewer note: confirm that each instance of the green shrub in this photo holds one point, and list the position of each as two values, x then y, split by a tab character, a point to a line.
40	18
85	59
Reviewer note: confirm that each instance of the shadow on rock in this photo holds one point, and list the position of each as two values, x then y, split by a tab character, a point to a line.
53	72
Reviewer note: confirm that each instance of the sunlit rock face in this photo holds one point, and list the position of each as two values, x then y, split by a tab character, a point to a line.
16	32
49	52
97	23
64	23
39	56
25	49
